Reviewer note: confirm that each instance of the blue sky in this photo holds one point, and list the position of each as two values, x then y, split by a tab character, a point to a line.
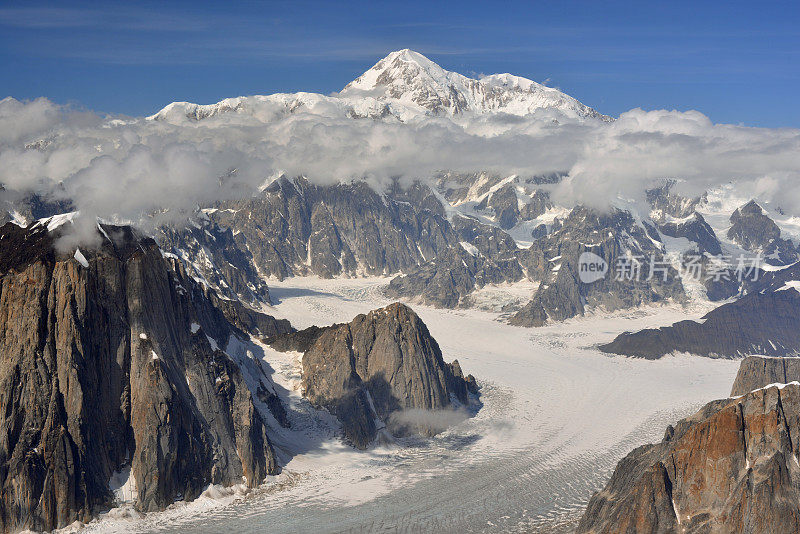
735	62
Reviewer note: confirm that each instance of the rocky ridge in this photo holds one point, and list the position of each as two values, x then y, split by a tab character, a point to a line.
296	228
731	467
754	231
376	369
111	367
763	321
613	237
759	371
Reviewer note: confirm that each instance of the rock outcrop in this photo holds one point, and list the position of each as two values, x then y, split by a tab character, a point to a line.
370	371
760	371
212	254
612	237
298	228
109	364
753	230
538	205
667	203
503	202
731	467
764	321
484	255
694	228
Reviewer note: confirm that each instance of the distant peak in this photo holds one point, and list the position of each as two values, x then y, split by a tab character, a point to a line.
406	85
411	57
752	208
407	54
398	65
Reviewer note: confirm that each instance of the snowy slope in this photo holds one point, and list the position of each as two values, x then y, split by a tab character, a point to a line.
405	85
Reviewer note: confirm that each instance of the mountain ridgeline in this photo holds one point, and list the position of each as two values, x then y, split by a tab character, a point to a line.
444	240
446	237
403	86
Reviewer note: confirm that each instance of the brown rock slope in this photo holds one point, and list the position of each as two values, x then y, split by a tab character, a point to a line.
108	361
376	367
731	467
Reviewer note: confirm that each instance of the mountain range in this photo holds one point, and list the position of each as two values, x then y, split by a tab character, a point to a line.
137	355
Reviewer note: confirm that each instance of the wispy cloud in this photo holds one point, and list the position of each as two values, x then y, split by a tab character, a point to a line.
111	18
130	168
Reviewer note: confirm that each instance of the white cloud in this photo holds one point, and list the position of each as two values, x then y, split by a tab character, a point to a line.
123	168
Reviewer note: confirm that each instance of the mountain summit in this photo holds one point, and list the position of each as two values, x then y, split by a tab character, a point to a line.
405	86
408	78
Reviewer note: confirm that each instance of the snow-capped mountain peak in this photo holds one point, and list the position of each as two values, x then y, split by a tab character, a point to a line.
401	68
409	79
405	85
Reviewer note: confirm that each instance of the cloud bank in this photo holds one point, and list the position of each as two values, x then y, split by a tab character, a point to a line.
132	169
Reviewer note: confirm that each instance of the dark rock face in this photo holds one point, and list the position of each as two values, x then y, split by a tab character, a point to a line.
490	241
755	324
753	230
378	365
247	319
666	202
539	231
299	341
538	205
108	361
509	208
297	228
443	282
554	260
759	371
505	205
489	256
696	229
731	467
211	253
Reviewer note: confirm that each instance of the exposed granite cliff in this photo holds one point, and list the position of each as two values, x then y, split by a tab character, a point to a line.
760	371
211	253
665	202
731	467
109	363
509	207
296	228
369	371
